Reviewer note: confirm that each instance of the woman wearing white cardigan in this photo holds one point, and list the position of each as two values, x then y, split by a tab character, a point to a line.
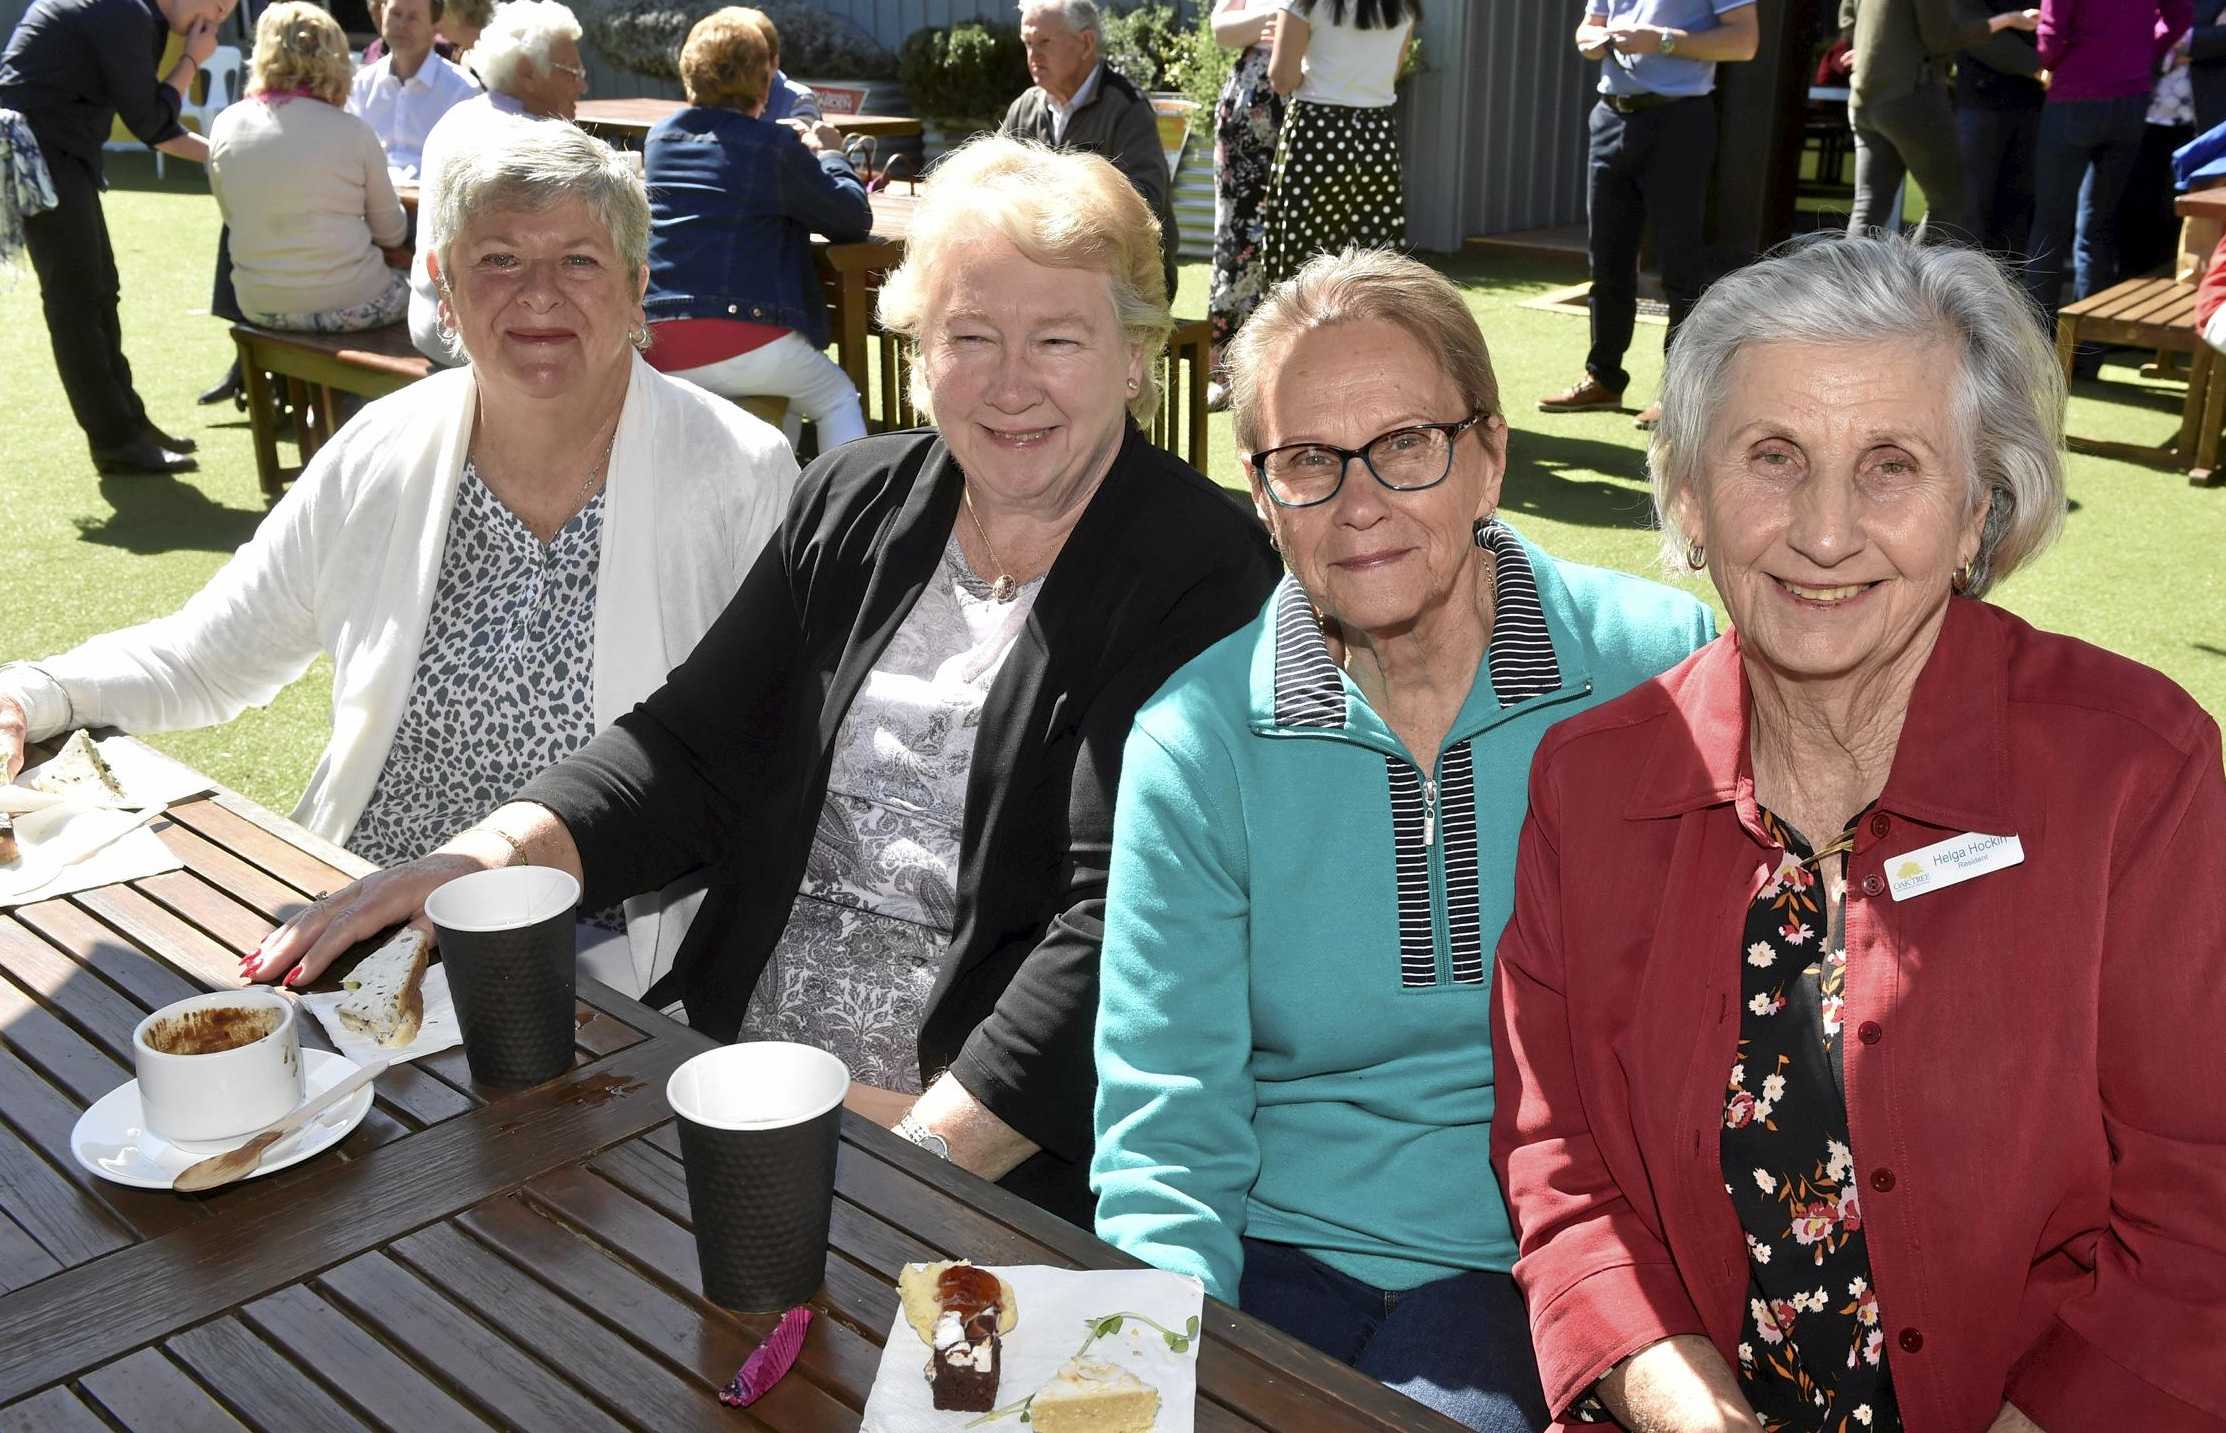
499	559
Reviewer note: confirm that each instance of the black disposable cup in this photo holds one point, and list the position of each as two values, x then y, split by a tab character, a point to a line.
758	1127
508	939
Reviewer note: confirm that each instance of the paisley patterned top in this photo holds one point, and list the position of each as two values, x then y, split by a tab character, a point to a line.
505	682
1812	1355
866	937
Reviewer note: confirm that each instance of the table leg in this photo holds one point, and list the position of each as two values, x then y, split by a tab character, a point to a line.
262	421
2198	397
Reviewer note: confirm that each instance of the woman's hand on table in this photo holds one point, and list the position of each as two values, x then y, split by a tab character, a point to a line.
300	950
2014	20
14	734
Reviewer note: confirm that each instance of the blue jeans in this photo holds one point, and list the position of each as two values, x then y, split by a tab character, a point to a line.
2087	152
1459	1345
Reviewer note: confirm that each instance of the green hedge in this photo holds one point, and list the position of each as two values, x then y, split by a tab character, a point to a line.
645	36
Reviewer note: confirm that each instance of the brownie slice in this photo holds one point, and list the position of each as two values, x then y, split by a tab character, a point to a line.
962	1372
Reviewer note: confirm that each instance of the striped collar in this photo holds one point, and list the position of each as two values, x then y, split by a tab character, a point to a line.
1310	691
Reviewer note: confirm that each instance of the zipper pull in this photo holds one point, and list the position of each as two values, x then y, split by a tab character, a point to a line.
1429	811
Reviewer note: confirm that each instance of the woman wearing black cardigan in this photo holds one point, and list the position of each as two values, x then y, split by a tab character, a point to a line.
894	756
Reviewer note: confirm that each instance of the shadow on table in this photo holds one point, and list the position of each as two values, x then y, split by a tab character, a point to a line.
149	515
1576	480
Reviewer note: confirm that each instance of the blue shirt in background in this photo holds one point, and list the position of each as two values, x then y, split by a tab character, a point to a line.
1660	74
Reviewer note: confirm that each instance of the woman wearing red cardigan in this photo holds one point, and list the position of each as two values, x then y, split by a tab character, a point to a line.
1857	1027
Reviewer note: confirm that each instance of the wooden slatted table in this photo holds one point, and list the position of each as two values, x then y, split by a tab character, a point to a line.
627	122
467	1258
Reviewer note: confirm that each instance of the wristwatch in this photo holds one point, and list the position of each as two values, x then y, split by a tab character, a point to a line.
1669	41
910	1128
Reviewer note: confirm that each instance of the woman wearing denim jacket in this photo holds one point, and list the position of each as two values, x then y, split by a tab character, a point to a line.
734	301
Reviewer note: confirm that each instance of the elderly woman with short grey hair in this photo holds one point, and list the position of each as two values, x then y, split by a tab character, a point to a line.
1314	847
1857	1021
498	560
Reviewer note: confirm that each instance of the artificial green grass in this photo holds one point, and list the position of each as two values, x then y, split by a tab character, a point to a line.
2141	568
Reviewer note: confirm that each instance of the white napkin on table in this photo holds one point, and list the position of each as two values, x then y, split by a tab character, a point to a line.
77	843
1057	1308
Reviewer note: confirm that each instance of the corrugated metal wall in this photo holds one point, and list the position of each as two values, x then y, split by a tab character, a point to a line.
1496	141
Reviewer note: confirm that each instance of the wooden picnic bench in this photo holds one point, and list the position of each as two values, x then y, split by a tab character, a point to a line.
303	371
2155	311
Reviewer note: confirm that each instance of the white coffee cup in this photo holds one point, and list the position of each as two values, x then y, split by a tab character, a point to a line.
223	1093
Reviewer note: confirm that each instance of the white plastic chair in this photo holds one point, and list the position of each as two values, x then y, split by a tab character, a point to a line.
221	78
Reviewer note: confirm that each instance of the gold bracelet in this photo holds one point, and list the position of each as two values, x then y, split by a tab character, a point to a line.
517	847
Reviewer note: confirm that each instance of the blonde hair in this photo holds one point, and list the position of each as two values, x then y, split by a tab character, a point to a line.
2006	393
1062	209
766	27
1358	286
726	63
300	47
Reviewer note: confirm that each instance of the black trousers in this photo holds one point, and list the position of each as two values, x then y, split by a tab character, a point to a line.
80	290
1998	147
1649	166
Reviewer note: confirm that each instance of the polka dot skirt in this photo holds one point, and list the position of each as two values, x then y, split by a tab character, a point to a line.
1335	182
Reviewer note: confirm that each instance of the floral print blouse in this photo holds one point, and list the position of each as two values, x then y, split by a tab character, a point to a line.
1812	1355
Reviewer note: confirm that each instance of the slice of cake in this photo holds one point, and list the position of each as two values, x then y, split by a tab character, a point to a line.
1091	1397
926	1290
963	1370
386	998
80	771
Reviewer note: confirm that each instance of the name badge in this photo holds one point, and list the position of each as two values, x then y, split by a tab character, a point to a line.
1951	862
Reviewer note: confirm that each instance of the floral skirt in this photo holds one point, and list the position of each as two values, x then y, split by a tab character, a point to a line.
1335	183
391	306
1245	125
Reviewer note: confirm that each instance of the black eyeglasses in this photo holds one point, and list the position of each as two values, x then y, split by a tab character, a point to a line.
1405	460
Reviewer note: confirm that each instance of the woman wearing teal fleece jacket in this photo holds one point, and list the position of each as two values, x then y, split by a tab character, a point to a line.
1293	1040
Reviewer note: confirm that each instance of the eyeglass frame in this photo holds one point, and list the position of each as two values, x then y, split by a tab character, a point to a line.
1452	431
577	72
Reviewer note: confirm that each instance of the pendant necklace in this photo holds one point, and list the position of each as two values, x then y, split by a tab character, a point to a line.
1002	588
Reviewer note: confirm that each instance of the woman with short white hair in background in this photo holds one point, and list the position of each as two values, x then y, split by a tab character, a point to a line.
303	185
497	560
529	60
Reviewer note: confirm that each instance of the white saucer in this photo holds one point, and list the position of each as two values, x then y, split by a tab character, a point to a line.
111	1141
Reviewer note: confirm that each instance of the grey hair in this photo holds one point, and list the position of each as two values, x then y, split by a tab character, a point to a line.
1359	286
521	30
2007	400
520	163
1082	16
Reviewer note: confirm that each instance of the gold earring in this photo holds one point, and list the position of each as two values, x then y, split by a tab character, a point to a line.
1964	577
1696	556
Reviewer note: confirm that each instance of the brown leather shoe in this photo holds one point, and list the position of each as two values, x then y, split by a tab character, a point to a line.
1650	415
1589	396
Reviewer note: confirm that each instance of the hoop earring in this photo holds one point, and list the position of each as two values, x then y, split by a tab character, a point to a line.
639	337
1696	556
1964	577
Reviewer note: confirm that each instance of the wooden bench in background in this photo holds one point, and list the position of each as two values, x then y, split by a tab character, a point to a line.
302	372
2157	312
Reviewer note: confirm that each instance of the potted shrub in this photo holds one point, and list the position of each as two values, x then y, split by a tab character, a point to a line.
645	36
961	78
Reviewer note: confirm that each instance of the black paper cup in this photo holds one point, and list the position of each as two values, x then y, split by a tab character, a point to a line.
758	1127
508	938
